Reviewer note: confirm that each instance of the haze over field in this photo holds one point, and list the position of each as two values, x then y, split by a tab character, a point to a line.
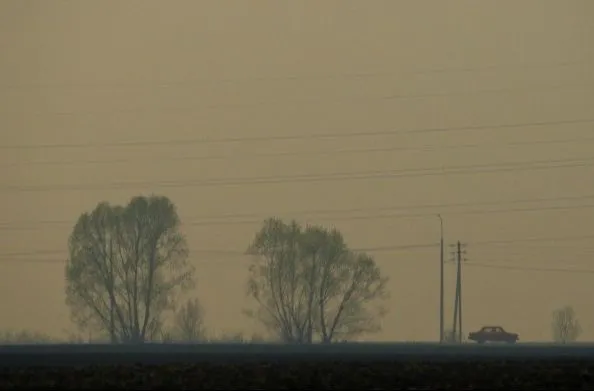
102	101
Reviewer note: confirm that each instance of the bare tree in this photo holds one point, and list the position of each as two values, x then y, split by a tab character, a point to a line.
189	322
126	266
450	336
310	287
231	337
565	326
25	337
237	337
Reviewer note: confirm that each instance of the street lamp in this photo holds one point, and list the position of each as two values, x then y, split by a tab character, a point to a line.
440	278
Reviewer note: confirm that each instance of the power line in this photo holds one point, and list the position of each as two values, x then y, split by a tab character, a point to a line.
59	252
524	249
339	176
21	226
298	137
307	153
301	77
531	269
374	249
259	216
471	264
404	247
537	239
308	101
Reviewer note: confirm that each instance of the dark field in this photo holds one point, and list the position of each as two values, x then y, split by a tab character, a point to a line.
524	375
397	366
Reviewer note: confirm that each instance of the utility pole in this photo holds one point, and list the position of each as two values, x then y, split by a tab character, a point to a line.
459	290
441	261
457	329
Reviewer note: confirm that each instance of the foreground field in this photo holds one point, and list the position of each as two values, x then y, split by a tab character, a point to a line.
262	366
156	354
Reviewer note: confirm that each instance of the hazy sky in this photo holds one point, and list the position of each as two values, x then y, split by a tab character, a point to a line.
102	72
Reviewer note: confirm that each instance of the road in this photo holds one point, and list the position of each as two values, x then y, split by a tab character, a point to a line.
90	354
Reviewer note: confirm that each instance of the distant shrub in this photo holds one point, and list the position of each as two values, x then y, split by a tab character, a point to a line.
25	337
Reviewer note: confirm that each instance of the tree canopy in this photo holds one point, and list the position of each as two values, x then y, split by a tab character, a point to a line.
189	322
565	326
309	286
126	266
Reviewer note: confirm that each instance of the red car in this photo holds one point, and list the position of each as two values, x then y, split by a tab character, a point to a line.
493	334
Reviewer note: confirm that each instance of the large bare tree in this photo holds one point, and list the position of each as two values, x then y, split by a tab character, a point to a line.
310	287
189	322
126	267
565	326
